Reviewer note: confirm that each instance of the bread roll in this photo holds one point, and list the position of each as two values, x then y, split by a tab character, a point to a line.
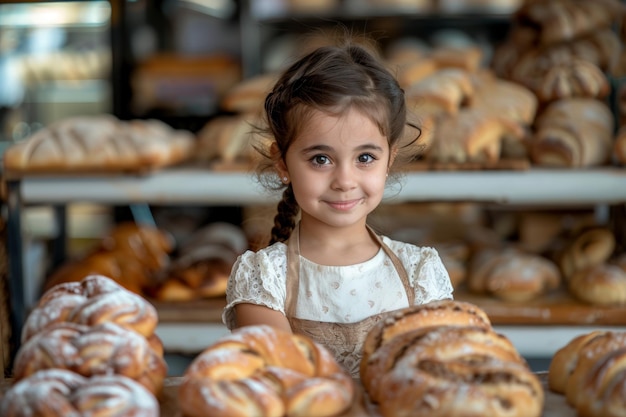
249	95
512	275
62	393
473	135
444	91
601	284
587	247
260	370
576	132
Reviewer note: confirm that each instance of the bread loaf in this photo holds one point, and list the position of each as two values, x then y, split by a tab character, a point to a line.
62	393
94	300
99	144
102	349
449	312
263	371
451	370
591	371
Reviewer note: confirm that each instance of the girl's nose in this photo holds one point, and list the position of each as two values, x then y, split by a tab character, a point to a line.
344	178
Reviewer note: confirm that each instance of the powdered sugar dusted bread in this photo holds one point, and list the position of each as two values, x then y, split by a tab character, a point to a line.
94	300
103	349
62	393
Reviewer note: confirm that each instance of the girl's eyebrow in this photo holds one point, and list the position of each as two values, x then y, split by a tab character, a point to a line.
326	148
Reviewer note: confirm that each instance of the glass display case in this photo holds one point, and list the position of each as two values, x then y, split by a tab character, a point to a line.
55	62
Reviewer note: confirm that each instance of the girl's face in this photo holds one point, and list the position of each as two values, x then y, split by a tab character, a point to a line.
338	168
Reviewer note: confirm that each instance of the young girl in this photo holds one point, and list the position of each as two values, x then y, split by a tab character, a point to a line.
336	117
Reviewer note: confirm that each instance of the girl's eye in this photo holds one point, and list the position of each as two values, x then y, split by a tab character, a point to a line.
320	160
366	158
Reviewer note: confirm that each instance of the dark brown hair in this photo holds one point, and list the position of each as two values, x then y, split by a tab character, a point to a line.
330	79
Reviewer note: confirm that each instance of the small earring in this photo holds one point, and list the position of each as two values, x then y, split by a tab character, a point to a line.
285	180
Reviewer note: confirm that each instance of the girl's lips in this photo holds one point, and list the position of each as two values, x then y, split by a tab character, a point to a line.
343	205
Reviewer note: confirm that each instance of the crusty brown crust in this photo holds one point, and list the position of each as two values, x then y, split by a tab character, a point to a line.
448	312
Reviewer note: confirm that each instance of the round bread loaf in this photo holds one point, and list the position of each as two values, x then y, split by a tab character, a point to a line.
262	371
602	284
62	393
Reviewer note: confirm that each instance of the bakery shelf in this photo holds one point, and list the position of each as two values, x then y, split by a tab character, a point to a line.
536	328
201	186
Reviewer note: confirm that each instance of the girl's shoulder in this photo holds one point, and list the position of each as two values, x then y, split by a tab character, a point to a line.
274	254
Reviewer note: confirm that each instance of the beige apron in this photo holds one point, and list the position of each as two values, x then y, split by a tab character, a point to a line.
343	340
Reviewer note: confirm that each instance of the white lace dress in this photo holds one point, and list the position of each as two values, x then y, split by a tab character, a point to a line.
339	294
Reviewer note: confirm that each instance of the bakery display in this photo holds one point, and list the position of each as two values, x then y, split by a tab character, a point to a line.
263	371
62	393
451	362
590	371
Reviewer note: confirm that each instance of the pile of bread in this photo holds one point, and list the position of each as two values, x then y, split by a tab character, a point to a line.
590	370
88	348
438	359
147	261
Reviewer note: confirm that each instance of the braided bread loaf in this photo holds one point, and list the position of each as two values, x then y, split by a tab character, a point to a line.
457	367
591	371
62	393
448	312
263	371
102	349
95	299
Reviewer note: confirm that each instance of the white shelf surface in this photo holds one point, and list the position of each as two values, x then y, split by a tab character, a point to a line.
197	186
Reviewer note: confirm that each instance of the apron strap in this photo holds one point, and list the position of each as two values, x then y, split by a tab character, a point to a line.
293	269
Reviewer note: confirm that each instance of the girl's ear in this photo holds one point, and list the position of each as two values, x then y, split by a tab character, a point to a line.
392	155
279	162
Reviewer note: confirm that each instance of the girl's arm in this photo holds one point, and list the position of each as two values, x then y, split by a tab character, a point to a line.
249	314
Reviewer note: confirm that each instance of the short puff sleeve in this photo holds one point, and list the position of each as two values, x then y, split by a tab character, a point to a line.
257	278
